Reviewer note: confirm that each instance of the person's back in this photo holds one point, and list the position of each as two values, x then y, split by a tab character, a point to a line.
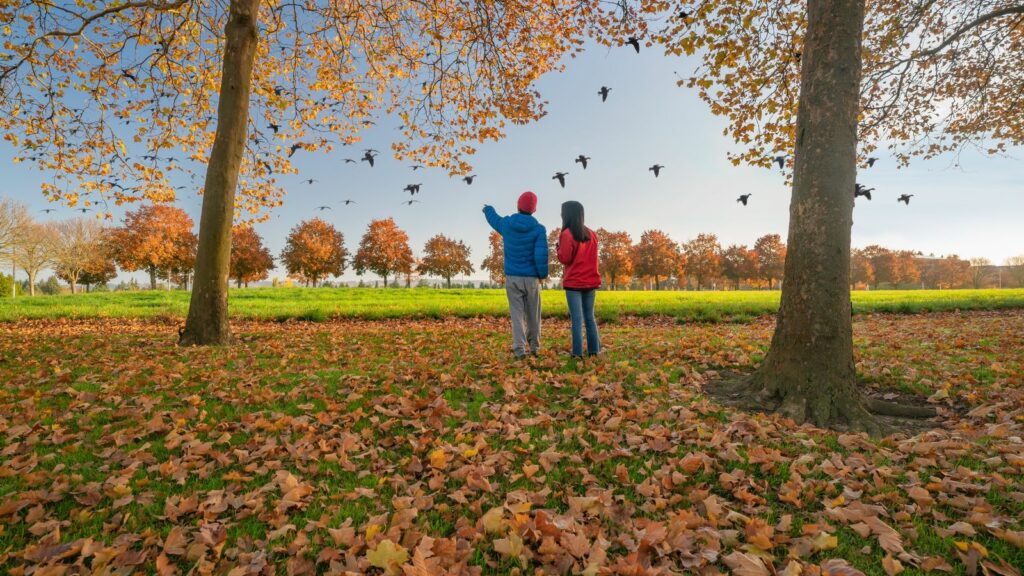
526	264
525	242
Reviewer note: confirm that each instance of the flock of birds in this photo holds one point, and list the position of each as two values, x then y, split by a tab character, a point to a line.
370	154
860	191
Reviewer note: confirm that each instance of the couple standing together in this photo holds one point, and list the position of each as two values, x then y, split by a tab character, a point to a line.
526	265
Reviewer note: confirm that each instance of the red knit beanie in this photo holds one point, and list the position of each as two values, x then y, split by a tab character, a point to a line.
528	202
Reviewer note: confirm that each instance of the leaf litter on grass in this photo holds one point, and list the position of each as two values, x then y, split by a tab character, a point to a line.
421	447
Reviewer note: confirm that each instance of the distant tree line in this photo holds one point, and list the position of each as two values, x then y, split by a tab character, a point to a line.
159	240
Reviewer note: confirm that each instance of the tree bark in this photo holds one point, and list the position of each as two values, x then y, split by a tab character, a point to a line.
152	278
808	373
207	322
31	283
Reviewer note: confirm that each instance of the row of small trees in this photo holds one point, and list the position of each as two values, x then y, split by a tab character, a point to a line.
657	261
159	240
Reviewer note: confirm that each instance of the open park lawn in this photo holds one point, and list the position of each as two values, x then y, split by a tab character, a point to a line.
421	447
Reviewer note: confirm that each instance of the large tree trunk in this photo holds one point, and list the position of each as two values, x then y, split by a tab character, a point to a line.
207	321
809	373
152	278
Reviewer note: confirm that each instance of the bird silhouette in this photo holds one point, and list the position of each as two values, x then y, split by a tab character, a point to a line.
634	42
294	147
48	210
310	180
905	198
683	15
322	208
347	202
581	159
871	161
416	167
743	198
560	176
368	156
604	93
410	202
656	169
412	189
350	161
861	190
278	90
129	75
469	179
781	160
274	127
83	210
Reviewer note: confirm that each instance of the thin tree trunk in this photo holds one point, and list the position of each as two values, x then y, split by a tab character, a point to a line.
207	321
809	374
31	283
152	278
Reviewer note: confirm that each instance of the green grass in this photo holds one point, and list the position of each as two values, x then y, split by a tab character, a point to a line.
319	304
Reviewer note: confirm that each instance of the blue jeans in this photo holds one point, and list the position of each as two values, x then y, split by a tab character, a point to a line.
581	312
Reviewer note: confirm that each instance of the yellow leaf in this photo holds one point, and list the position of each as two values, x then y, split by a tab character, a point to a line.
438	459
388	556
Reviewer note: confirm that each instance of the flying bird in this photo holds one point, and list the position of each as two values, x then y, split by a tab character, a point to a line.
349	161
634	42
905	198
347	202
743	198
278	90
368	157
322	208
48	210
871	161
560	176
781	160
294	147
469	179
410	202
412	189
129	75
83	210
581	159
861	190
416	167
604	93
274	127
310	180
683	15
656	169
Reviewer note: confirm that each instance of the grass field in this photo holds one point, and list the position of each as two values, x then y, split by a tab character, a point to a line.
370	303
420	447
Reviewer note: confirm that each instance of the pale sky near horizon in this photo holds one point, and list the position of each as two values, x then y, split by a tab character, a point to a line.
973	209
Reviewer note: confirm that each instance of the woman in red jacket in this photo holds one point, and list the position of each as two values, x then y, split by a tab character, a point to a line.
577	250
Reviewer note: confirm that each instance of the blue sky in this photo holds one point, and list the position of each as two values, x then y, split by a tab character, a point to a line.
972	209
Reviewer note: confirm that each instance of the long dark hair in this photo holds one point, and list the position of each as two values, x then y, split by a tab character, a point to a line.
572	220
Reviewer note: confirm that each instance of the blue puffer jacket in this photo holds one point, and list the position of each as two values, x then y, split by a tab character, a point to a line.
526	243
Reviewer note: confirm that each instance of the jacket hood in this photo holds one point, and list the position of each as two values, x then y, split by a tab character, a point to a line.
522	222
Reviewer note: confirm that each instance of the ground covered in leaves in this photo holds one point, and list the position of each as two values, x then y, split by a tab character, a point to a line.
422	447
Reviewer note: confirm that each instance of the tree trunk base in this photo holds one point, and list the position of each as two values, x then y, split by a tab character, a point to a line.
851	412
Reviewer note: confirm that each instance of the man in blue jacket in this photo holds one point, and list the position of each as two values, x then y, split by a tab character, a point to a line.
526	264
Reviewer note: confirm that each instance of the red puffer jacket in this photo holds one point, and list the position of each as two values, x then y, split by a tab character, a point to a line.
580	260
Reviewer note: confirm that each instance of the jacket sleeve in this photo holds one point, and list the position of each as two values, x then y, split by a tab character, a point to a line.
566	249
492	218
540	253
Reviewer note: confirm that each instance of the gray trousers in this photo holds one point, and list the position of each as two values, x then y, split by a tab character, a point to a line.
524	307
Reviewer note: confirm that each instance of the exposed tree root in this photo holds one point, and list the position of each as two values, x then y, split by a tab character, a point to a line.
856	414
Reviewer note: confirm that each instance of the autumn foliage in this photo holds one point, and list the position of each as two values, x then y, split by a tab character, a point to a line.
313	251
655	256
446	258
615	258
384	250
156	238
251	261
494	262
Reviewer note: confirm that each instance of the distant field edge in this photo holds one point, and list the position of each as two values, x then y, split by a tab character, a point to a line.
323	304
